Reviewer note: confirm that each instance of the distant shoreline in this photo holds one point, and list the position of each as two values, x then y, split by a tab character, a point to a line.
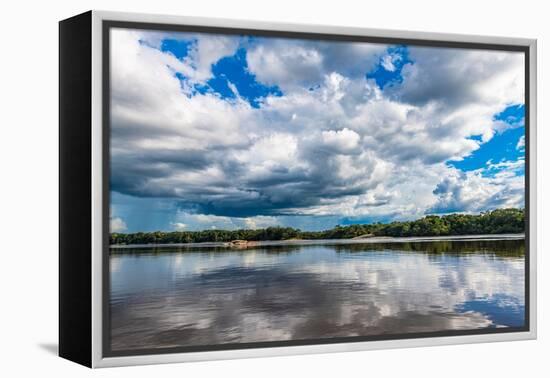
456	226
372	240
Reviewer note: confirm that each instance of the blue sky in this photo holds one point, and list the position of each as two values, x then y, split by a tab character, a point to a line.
503	146
388	70
213	131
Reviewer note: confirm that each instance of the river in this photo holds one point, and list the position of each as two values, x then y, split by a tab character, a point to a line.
178	296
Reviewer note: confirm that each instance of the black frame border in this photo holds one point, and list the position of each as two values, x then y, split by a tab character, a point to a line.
75	189
107	25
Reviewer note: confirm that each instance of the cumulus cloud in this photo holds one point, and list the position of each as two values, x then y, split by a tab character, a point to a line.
203	50
260	222
466	88
388	61
496	186
178	226
195	222
455	77
207	50
295	64
117	224
285	64
341	141
521	143
333	143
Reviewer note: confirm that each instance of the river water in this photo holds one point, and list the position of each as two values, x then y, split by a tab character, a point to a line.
195	296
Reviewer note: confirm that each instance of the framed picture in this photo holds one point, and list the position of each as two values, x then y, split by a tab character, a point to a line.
233	189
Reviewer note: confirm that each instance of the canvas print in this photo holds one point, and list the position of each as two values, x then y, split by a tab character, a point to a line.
268	190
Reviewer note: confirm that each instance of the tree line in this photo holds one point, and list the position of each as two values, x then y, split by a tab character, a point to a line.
498	221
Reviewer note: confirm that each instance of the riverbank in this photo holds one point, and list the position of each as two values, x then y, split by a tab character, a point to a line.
298	242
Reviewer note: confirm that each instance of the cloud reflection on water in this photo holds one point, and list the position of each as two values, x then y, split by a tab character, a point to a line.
204	298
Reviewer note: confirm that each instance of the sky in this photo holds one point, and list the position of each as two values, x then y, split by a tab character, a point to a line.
231	131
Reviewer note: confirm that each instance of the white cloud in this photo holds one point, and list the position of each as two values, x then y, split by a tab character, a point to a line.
260	222
388	61
510	166
497	186
285	64
341	141
210	221
202	221
521	143
270	149
207	50
297	64
178	226
117	224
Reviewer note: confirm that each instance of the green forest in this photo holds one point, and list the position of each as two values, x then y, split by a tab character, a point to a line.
498	221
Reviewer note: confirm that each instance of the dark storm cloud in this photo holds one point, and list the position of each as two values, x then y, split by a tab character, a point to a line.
237	192
450	76
132	171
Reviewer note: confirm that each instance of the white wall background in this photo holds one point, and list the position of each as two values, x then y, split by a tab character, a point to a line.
28	158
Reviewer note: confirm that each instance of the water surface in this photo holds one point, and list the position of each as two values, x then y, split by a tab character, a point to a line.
180	297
